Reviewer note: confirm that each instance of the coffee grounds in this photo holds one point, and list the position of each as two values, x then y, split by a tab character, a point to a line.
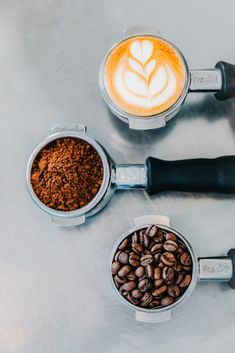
67	174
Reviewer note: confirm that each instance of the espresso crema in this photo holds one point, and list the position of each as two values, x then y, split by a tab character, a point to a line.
144	75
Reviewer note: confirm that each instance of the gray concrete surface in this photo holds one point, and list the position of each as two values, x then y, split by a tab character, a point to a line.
55	294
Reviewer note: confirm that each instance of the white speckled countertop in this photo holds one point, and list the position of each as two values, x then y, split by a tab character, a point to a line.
55	294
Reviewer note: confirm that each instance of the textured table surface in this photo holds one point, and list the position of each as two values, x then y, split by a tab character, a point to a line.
55	294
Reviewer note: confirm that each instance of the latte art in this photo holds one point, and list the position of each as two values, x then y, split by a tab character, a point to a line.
144	75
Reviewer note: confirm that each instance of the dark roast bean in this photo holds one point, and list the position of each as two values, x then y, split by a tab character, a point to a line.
135	238
146	260
167	300
154	303
158	282
157	273
119	280
186	281
177	266
146	299
170	236
168	274
123	258
134	260
123	245
140	271
185	259
136	293
124	271
151	231
144	285
173	290
168	258
179	278
158	238
117	255
129	286
147	252
137	248
170	245
149	271
131	276
157	257
116	267
146	241
159	291
131	299
156	248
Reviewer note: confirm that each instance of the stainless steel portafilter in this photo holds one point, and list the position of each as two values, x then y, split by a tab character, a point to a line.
156	175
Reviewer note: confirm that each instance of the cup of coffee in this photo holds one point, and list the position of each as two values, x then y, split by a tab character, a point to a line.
153	269
144	79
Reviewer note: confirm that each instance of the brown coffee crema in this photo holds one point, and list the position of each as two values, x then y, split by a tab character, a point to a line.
144	75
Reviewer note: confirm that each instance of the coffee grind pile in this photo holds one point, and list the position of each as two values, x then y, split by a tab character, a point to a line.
152	268
67	174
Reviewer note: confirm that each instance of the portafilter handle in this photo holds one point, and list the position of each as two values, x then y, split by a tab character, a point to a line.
220	268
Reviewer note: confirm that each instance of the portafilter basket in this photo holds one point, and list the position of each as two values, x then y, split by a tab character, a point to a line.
219	268
219	80
156	175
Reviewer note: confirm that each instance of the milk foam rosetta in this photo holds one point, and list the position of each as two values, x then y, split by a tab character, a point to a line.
144	75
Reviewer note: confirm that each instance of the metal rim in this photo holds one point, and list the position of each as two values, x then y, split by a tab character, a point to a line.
98	197
186	294
124	116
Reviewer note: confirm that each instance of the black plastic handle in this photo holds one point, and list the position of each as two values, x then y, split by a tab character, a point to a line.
194	175
228	81
231	254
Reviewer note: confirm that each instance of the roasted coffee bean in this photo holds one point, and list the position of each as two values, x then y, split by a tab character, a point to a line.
131	276
157	273
161	264
170	245
140	271
146	299
116	267
186	281
147	252
151	231
123	245
179	278
146	260
168	258
124	271
177	267
173	290
146	241
137	248
123	258
135	238
144	285
134	260
158	282
168	274
170	236
157	257
185	259
131	299
154	303
117	255
187	268
136	293
122	291
167	300
159	291
129	286
158	238
156	248
120	280
149	271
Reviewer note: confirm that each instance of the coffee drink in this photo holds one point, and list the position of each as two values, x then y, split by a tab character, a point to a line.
152	268
144	75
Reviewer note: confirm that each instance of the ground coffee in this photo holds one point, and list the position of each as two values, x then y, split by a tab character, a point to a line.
67	174
152	268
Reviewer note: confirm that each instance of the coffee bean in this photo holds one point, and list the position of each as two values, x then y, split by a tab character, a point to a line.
158	282
157	257
149	271
131	299
154	303
135	238
123	258
168	258
168	274
123	245
151	231
161	264
185	259
144	285
134	260
146	299
158	238
140	271
156	248
136	293
122	291
170	245
187	268
131	276
120	280
129	286
137	248
167	300
117	255
124	271
146	241
116	267
170	236
179	278
146	260
157	273
177	267
186	281
173	290
159	291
